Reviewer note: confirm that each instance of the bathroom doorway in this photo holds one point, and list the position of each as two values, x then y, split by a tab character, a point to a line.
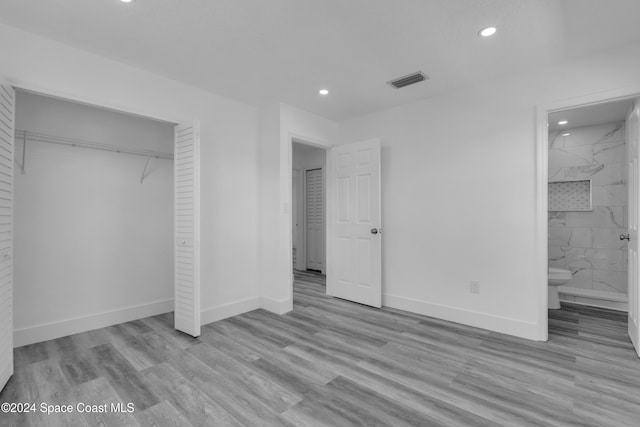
590	160
587	197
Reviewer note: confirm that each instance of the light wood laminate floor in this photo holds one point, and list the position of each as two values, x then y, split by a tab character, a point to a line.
331	362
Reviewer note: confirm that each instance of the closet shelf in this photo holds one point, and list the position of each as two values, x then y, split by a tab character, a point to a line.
40	137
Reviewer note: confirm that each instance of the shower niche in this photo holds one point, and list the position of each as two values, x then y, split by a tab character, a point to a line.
570	196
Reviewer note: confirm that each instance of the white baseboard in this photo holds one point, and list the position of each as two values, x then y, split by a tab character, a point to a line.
231	309
505	325
62	328
593	298
277	306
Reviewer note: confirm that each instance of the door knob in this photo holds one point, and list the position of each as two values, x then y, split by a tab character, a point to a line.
623	237
374	231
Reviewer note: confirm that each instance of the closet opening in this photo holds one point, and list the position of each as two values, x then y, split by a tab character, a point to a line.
94	217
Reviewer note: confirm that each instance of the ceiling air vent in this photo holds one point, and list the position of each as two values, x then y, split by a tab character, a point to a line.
408	80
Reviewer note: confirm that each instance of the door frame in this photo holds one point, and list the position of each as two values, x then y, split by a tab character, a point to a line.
324	145
152	114
541	202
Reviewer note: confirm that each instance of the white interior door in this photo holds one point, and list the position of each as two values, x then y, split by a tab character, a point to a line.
633	144
7	108
355	239
187	228
314	213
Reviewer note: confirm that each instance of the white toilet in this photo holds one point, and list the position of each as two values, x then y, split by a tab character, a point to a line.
557	276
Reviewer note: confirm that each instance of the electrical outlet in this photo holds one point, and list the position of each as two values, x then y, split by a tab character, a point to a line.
474	287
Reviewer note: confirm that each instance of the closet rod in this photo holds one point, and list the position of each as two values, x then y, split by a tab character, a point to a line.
40	137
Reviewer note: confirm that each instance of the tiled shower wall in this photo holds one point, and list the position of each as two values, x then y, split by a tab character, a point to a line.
588	243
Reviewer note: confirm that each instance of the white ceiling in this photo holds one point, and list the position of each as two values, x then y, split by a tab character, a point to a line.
266	51
591	115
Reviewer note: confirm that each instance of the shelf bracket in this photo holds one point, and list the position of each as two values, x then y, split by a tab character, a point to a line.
144	171
24	154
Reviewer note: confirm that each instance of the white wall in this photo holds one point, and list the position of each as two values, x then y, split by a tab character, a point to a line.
89	238
43	114
459	179
228	153
305	157
270	209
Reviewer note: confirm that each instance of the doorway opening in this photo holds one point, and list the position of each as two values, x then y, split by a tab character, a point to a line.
309	207
588	204
353	232
587	207
308	213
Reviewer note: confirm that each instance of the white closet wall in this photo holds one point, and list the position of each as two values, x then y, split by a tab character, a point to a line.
92	244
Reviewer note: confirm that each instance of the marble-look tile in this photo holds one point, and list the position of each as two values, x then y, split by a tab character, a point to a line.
574	259
609	238
612	281
601	216
609	195
579	237
617	133
610	152
577	259
556	174
557	218
590	135
556	140
605	259
578	137
598	173
582	278
556	256
574	156
588	243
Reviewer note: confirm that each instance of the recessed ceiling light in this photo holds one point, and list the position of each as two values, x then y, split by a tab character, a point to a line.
486	32
127	1
323	92
566	134
563	122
